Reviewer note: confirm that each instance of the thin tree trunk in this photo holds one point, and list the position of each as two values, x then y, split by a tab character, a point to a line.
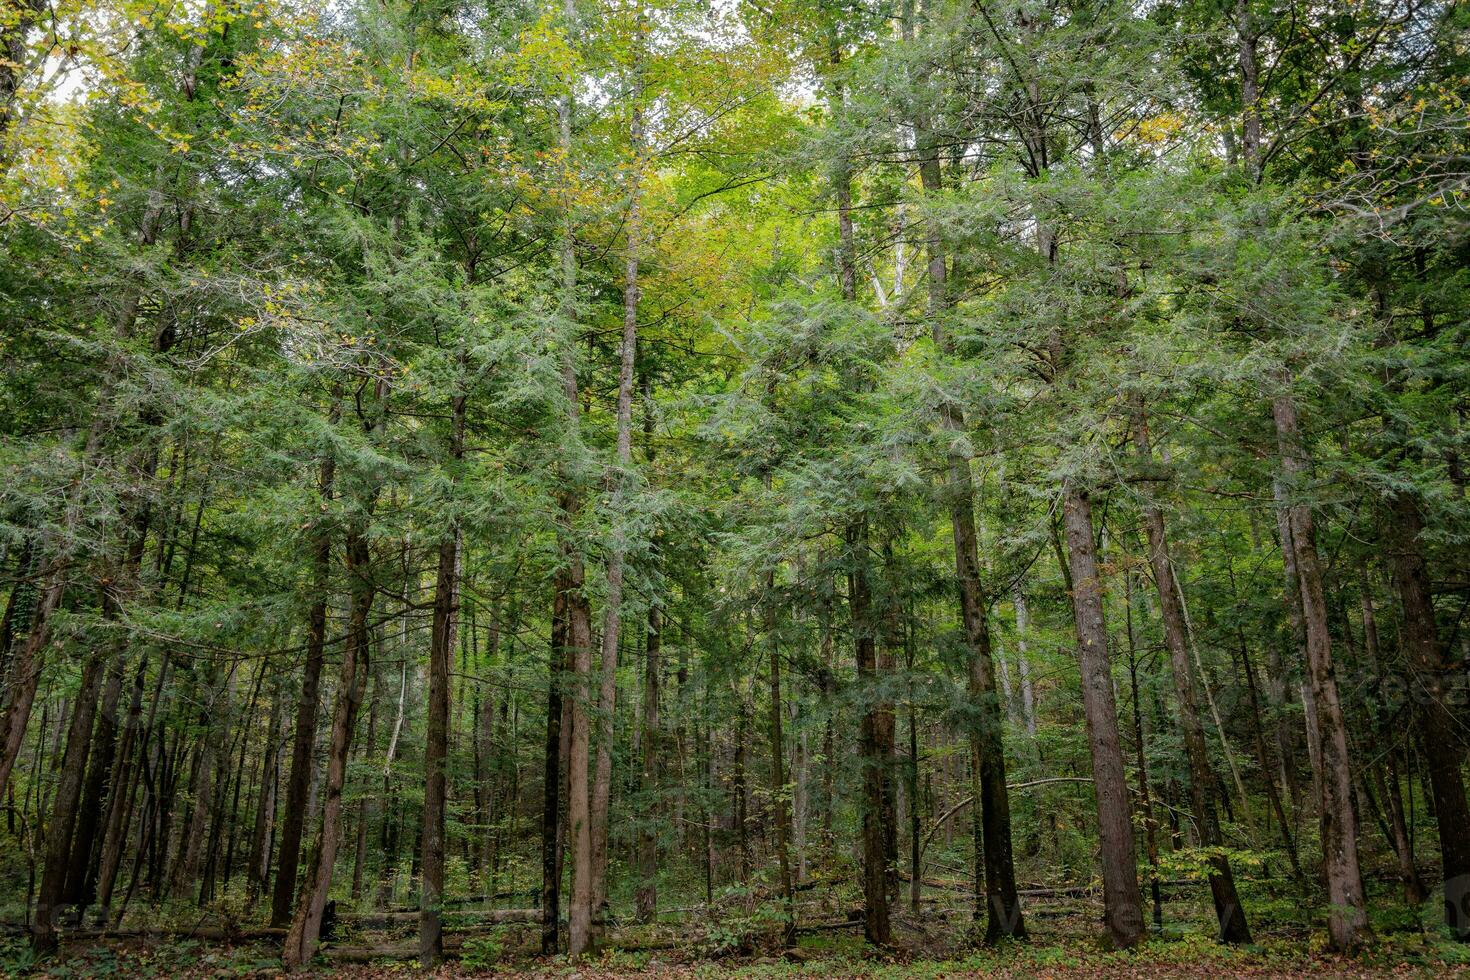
257	871
612	613
876	926
64	807
81	878
1229	913
1003	905
647	895
552	771
305	930
298	786
1347	921
436	750
120	803
1028	693
1145	800
779	798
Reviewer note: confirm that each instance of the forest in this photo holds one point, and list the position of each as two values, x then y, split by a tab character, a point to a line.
771	487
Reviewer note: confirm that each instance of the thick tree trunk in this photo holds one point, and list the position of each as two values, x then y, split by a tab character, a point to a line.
1441	734
59	829
1122	902
1229	914
81	875
1347	921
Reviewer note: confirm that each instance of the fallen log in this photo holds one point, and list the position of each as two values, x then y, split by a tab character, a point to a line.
392	920
471	899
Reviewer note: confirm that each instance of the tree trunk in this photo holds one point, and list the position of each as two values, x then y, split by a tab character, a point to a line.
876	927
612	613
1347	921
1122	902
1028	693
552	771
1229	914
298	785
779	797
257	870
305	930
120	802
81	877
987	735
647	895
1440	731
64	807
436	749
1145	800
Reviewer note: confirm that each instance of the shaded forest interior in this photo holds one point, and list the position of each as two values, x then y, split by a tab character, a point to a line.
537	479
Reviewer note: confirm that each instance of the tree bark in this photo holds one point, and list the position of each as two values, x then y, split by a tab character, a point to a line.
64	807
987	738
1122	902
120	802
1347	921
779	798
876	926
613	611
647	894
305	930
298	786
1229	913
436	749
1440	731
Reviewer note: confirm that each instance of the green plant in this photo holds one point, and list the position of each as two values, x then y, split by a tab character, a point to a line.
482	952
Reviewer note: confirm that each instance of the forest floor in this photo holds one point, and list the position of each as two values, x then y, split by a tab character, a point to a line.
934	946
1194	956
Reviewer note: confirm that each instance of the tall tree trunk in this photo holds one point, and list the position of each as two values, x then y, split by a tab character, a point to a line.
81	877
306	923
552	771
64	806
987	736
1145	800
579	824
876	926
1440	731
1347	921
436	749
257	871
120	801
613	611
1028	692
647	895
779	798
298	786
1229	914
1122	902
